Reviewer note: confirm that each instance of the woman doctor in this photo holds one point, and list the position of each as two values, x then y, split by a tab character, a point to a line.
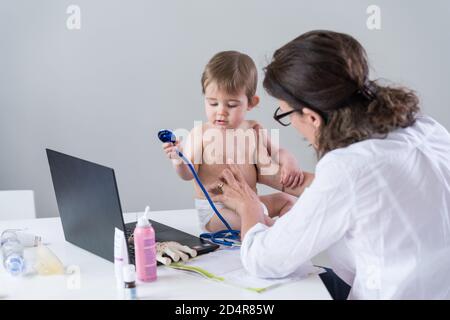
379	201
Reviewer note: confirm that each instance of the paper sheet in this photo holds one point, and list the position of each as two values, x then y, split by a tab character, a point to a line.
225	266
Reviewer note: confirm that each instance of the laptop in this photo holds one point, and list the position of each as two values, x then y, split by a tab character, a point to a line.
89	207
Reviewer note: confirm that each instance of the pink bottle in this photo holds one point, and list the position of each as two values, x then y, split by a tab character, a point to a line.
145	250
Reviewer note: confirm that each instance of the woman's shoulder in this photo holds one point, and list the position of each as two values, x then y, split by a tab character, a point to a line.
425	126
397	144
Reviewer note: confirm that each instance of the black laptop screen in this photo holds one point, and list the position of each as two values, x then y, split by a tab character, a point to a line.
89	207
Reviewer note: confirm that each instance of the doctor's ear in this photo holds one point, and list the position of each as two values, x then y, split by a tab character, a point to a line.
253	102
312	118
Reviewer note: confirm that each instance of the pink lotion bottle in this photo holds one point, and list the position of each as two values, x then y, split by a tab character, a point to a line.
145	250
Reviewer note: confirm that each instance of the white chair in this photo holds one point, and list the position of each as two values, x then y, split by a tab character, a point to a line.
17	204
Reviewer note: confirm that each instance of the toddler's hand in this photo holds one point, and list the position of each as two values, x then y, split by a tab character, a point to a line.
291	176
170	150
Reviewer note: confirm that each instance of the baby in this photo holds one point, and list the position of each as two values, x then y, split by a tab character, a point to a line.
229	86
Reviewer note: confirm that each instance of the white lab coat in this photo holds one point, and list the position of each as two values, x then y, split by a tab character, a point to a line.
381	209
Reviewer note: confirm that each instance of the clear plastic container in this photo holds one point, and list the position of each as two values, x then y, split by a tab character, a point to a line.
12	253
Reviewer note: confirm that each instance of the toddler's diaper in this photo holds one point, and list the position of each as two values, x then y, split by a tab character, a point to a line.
205	212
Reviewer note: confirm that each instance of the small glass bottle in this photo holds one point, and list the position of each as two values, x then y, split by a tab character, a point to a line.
129	278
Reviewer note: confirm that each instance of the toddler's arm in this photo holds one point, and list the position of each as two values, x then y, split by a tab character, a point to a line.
191	149
180	167
290	174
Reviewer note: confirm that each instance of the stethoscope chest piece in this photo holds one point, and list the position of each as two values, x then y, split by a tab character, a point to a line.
167	136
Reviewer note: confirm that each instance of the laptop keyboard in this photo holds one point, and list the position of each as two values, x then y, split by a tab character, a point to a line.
166	233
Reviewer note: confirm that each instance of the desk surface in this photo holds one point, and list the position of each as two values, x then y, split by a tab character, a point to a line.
93	277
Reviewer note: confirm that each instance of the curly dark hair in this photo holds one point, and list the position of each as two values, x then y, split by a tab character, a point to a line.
327	72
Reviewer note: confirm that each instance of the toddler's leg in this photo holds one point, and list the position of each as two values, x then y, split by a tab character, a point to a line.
215	224
278	203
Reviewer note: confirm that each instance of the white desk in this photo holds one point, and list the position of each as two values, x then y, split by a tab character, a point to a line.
96	279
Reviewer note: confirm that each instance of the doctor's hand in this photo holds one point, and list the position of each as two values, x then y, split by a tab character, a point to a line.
233	190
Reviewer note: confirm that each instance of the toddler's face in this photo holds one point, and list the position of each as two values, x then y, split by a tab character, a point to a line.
224	110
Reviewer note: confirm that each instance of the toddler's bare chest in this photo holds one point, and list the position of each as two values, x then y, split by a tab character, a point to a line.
241	149
210	173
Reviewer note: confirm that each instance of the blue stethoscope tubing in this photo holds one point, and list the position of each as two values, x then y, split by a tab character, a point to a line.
227	237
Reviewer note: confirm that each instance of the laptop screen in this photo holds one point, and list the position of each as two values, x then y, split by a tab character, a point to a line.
88	202
89	206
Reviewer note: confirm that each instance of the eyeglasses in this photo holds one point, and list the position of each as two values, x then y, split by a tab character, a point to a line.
278	116
281	117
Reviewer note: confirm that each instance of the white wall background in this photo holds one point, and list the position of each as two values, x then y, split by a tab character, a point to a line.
102	92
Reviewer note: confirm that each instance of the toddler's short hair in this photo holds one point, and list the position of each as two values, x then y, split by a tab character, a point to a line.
232	71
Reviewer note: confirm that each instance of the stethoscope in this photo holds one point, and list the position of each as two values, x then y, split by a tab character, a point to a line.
228	237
